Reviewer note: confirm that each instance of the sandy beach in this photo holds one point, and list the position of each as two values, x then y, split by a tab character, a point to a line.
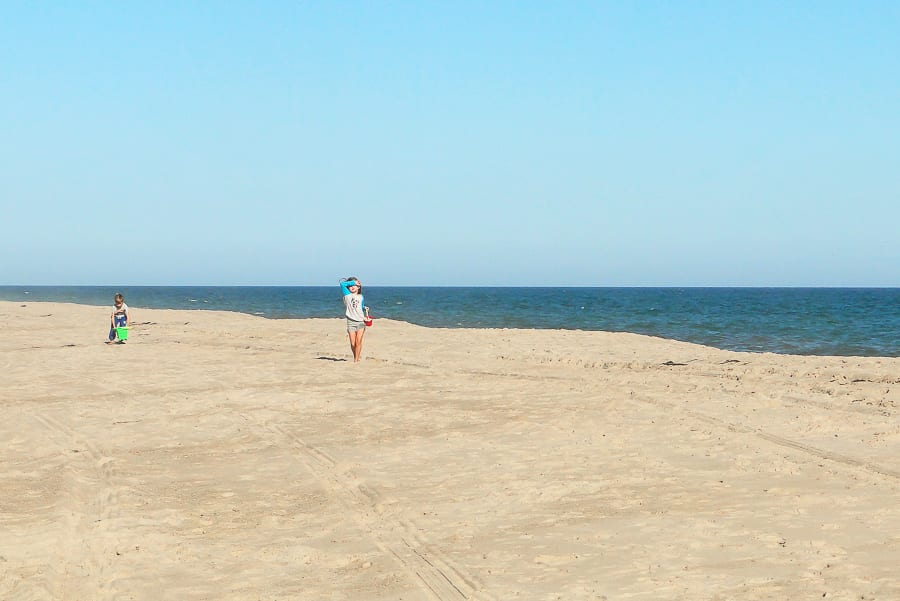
223	456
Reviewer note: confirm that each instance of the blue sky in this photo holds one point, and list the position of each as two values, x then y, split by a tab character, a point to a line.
459	143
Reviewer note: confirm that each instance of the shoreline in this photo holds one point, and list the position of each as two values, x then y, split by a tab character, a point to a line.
815	322
223	455
465	328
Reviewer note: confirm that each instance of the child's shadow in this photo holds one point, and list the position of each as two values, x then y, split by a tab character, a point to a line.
329	359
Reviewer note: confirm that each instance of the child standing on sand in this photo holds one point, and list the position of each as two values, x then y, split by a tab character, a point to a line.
118	318
355	309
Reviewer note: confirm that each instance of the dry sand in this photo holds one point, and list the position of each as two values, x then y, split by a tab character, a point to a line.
223	456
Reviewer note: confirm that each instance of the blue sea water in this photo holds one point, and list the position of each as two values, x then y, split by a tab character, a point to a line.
803	321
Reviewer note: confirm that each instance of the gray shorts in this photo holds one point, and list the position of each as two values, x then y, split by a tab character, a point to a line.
353	326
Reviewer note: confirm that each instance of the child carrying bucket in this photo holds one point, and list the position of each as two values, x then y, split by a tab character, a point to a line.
357	314
118	321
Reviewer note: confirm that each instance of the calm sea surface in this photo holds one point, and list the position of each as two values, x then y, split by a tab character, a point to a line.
805	321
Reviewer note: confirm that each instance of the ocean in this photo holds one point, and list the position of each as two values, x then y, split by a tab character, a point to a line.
800	321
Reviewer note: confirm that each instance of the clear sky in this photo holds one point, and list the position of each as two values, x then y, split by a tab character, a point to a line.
526	143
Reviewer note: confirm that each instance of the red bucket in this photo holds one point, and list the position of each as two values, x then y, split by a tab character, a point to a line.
368	321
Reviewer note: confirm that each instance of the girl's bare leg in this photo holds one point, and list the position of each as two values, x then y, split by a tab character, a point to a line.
356	339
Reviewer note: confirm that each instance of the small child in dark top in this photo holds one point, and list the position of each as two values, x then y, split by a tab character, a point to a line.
118	319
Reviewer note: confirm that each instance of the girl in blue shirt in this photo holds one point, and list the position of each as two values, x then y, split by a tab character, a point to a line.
355	310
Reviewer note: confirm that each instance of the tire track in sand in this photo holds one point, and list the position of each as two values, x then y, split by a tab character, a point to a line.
89	499
778	440
434	571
